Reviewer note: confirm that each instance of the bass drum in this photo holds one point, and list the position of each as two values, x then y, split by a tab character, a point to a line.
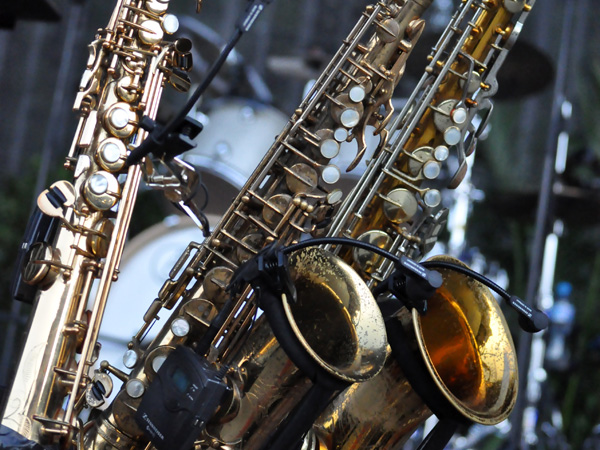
237	133
146	262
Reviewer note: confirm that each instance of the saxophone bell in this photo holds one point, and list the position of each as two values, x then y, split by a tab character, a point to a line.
456	361
330	332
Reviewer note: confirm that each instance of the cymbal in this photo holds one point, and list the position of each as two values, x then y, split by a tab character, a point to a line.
525	71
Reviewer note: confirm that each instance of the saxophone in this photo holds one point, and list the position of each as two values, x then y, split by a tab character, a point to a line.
77	249
462	347
331	317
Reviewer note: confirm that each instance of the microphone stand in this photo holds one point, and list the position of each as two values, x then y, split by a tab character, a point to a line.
531	349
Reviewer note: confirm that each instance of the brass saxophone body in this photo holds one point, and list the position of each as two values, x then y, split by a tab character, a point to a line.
462	343
126	70
290	194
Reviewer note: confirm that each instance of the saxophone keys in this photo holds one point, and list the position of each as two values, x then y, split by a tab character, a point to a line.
441	153
301	178
157	6
432	198
388	30
335	196
126	89
215	284
459	115
449	113
400	205
99	241
135	388
431	170
249	246
111	155
120	120
331	174
200	310
458	176
368	261
452	135
101	190
170	23
53	201
41	266
151	32
357	93
98	390
340	134
180	327
350	117
514	6
152	365
345	111
182	54
472	81
449	118
423	162
275	208
330	148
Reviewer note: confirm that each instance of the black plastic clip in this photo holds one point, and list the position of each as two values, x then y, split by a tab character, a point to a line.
411	283
269	269
173	144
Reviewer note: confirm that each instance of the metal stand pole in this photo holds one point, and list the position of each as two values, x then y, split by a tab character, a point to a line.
544	219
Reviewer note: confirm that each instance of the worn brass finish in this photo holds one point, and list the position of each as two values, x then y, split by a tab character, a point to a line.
336	321
399	192
464	342
331	294
383	411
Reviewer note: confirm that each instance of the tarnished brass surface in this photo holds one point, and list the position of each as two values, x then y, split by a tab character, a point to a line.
334	317
396	205
382	411
399	192
466	345
270	385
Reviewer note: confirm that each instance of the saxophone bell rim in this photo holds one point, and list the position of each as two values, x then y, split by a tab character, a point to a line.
461	361
315	265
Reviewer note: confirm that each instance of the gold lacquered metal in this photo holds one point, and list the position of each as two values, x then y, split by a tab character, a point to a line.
367	260
83	256
282	201
379	413
464	341
466	344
